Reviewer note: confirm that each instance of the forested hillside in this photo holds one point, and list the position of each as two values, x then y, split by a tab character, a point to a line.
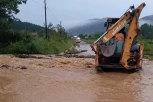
19	25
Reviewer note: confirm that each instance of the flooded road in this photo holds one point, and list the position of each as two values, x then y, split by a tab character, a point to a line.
60	79
85	46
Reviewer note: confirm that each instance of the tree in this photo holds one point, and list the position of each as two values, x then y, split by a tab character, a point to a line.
8	8
51	30
90	36
81	36
147	31
150	36
61	31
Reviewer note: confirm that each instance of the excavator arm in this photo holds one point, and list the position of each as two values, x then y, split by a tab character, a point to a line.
125	19
130	18
133	30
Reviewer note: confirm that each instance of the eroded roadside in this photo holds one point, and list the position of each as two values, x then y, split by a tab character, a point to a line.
48	78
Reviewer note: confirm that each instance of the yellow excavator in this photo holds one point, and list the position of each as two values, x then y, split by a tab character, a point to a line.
117	47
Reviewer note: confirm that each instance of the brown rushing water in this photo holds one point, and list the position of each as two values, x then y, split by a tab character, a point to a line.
62	79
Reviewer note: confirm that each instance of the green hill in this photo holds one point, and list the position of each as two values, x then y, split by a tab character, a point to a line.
19	25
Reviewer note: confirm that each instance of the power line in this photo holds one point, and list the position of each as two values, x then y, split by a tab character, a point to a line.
46	10
40	4
37	3
34	1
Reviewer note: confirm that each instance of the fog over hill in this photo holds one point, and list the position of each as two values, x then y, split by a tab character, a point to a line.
97	25
147	19
92	26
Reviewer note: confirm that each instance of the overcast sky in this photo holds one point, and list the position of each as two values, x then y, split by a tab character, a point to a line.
75	11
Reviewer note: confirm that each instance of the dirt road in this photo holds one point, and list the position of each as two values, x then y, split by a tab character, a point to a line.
60	79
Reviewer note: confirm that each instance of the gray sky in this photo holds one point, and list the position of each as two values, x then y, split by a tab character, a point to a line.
72	12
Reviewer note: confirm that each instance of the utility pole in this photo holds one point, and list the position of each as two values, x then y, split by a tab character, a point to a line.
45	19
60	28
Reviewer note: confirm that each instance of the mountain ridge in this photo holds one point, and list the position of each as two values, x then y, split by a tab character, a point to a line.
19	25
97	25
92	26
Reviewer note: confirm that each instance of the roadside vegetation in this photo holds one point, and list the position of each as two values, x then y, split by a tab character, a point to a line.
25	43
146	38
17	37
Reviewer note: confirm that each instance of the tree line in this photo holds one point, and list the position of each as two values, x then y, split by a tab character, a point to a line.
147	31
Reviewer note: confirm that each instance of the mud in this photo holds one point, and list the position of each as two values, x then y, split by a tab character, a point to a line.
52	78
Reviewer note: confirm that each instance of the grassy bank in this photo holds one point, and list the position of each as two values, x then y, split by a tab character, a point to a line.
41	46
38	46
148	48
28	44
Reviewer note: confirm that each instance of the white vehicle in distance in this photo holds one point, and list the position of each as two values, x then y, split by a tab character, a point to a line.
78	40
75	37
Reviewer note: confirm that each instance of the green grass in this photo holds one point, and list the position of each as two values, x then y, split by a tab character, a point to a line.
39	45
89	41
148	48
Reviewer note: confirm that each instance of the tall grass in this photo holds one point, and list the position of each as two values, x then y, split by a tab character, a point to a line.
37	45
148	46
40	46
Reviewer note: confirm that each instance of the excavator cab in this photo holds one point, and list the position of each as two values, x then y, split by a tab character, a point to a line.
110	22
114	40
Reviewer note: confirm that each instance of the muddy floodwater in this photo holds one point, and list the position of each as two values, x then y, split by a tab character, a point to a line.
60	79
